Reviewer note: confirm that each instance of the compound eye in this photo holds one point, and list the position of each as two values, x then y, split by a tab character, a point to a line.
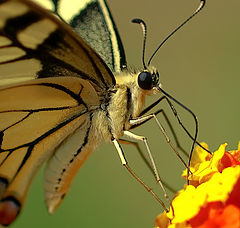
145	80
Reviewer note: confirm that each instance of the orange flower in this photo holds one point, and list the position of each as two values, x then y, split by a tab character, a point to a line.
212	197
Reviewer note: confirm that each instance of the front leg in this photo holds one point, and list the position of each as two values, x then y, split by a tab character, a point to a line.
154	167
142	119
124	163
146	161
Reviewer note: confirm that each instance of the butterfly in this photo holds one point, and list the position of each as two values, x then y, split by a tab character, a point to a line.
62	93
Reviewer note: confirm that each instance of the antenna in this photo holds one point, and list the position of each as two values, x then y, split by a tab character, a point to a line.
201	6
144	29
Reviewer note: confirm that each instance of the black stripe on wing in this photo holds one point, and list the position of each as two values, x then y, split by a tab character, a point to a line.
97	27
59	53
12	201
54	66
3	1
91	25
17	24
75	155
123	61
51	65
31	145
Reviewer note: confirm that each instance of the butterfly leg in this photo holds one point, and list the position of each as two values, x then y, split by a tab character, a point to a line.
144	140
125	164
161	111
150	107
145	160
142	119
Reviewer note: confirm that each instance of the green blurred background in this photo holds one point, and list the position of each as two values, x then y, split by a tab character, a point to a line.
200	67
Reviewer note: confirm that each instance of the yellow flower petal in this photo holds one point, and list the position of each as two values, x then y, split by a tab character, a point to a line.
186	205
189	201
221	184
200	155
217	156
202	170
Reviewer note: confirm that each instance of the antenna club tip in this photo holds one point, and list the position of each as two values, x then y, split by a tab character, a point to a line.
203	2
137	20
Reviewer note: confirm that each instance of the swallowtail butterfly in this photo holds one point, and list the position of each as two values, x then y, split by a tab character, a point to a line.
63	91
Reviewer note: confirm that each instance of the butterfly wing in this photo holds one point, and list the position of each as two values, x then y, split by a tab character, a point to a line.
50	111
93	21
41	115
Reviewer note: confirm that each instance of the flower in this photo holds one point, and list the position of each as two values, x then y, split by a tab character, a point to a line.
212	197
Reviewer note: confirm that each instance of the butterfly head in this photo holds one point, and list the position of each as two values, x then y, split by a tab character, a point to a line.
148	80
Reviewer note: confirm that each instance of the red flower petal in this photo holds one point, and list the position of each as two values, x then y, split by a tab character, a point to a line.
202	219
228	160
234	196
216	215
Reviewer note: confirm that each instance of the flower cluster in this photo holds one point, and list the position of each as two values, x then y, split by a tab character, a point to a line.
212	197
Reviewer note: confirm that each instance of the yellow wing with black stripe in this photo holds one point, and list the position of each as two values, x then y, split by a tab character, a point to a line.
35	44
35	119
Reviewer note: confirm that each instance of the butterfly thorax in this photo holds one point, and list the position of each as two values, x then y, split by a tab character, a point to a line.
126	102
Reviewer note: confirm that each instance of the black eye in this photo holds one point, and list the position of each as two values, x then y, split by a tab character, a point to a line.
145	80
